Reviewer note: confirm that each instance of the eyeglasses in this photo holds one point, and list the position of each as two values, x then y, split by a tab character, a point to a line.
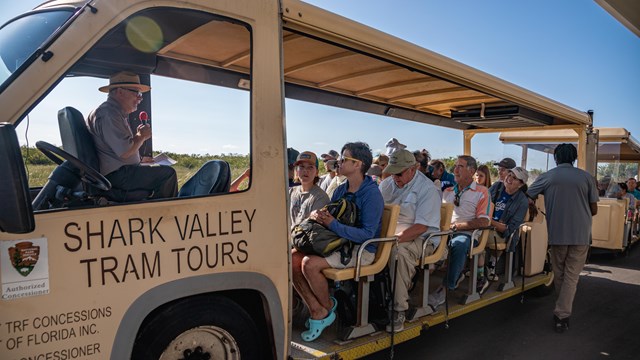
343	158
138	93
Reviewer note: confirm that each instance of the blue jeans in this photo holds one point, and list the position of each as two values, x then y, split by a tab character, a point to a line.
457	256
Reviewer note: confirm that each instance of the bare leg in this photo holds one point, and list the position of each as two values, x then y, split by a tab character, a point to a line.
301	285
312	267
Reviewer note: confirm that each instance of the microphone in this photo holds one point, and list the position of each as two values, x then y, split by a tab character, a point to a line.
144	117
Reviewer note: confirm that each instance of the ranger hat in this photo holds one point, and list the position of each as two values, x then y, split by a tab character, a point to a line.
127	80
399	161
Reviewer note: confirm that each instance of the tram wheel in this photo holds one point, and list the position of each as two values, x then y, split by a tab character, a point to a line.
199	328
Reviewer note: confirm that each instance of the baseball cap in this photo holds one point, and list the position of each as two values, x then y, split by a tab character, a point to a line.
308	157
520	173
399	161
292	155
331	155
507	163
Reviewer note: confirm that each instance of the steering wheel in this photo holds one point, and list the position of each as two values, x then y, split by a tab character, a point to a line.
86	173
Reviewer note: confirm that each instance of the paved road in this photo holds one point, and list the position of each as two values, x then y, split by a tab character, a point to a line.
605	323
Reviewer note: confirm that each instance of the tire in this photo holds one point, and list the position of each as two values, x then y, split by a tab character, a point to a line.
215	324
546	288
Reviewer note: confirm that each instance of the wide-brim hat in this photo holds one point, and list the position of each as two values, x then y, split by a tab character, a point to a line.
399	161
125	79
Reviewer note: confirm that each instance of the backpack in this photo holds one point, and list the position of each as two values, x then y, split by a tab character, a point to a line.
313	238
379	301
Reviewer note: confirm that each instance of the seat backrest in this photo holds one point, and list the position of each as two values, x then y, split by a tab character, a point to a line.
214	177
389	221
446	211
76	139
484	237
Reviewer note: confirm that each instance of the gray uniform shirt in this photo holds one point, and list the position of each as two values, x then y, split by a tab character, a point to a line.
109	127
567	191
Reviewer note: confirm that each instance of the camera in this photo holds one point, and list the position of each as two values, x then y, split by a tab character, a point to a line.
332	165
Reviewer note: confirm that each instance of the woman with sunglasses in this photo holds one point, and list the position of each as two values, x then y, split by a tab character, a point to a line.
511	206
307	277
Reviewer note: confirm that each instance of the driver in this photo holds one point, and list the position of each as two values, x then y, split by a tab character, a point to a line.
118	147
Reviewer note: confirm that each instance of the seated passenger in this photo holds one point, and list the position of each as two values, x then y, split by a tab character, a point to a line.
118	148
510	209
632	188
329	159
423	158
470	212
308	279
381	161
419	214
504	166
292	156
447	180
624	194
483	176
335	182
307	196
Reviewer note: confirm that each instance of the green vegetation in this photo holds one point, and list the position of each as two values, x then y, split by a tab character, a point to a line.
39	166
617	171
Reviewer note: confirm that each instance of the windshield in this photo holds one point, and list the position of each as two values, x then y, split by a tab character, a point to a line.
20	38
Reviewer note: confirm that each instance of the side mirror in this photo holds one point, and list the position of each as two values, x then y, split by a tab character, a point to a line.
16	213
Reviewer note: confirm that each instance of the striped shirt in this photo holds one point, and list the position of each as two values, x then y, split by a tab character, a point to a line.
474	203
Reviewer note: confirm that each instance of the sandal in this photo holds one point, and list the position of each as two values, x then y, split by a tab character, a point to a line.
333	310
317	326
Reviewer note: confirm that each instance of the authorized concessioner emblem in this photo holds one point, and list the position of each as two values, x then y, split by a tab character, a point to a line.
24	256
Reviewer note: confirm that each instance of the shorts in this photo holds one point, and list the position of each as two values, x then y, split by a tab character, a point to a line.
334	259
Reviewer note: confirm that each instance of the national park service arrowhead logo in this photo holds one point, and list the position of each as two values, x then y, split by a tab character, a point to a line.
24	257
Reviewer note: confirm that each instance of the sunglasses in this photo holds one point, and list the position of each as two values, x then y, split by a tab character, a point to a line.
401	172
456	199
138	93
458	195
343	158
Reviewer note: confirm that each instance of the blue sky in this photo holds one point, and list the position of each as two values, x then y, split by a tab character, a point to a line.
571	51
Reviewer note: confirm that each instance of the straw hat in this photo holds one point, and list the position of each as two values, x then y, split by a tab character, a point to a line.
125	79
